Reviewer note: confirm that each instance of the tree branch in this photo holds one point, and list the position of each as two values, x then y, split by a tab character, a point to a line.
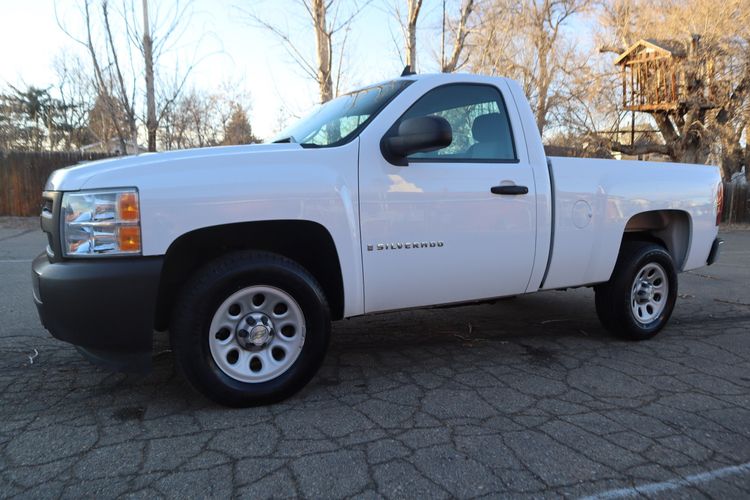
611	48
640	149
460	42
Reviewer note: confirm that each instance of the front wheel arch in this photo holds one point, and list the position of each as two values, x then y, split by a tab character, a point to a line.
305	242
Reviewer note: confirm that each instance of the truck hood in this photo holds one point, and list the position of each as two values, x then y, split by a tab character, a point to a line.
86	175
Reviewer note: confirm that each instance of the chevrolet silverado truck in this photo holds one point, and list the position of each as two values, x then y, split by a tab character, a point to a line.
419	191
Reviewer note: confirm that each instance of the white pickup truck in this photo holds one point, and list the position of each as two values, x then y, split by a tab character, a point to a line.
419	191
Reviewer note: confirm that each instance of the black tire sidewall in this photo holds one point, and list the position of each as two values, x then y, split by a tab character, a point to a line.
205	293
634	258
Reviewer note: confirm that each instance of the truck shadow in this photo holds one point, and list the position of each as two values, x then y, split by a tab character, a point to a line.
534	332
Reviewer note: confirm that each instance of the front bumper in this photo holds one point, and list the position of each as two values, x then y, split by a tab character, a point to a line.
715	252
105	307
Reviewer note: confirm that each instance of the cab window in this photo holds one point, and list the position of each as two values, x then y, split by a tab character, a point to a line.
478	118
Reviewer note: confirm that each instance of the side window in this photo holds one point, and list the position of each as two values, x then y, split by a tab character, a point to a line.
478	118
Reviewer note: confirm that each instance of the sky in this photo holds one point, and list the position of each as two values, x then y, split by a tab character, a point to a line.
230	50
227	46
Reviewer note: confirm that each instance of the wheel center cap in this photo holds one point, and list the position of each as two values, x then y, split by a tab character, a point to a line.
259	335
254	331
645	292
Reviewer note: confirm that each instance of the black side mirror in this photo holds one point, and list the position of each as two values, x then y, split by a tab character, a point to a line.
416	135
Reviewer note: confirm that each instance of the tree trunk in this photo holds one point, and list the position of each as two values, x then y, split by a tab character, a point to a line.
101	83
732	159
542	102
323	46
544	43
122	89
148	55
411	32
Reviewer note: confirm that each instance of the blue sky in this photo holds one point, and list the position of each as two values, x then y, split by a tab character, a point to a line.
229	47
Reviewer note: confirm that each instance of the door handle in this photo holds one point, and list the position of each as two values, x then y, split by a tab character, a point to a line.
510	189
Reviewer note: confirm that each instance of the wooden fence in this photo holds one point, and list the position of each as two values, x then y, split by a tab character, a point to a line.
23	175
736	203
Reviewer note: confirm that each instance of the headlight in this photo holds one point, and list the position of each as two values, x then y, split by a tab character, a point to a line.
102	222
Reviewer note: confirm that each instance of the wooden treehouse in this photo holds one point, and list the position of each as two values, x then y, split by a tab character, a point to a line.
666	75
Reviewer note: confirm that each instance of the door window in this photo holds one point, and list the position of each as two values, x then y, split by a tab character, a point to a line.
478	119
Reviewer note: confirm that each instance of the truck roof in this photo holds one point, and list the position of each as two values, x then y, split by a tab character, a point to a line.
438	78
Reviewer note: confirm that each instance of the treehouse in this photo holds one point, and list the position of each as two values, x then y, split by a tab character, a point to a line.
664	75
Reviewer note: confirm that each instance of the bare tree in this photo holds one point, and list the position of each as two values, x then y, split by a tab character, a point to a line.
461	32
77	95
53	117
410	39
318	11
106	123
524	39
406	14
191	122
331	27
111	38
200	119
620	22
710	121
162	29
110	82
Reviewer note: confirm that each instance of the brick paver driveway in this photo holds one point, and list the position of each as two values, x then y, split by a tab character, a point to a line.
524	397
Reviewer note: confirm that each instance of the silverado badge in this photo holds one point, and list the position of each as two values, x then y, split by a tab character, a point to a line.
405	246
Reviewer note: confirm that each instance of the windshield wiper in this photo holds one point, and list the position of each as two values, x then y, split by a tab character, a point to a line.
289	139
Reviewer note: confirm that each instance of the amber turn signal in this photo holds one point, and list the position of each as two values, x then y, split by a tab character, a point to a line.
129	238
127	206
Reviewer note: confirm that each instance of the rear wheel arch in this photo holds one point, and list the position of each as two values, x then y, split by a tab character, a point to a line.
307	243
669	228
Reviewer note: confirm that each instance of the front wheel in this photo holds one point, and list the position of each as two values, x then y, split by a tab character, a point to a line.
637	302
250	328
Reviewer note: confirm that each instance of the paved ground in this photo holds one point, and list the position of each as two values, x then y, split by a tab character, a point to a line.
524	397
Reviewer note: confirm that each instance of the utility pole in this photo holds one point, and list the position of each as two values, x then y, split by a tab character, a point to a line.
148	55
442	42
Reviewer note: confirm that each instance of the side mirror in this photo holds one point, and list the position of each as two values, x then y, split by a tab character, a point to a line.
416	135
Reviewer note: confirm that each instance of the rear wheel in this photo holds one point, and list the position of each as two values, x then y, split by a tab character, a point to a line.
250	328
638	300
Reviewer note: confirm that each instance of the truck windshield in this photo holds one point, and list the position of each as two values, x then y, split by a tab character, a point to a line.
341	119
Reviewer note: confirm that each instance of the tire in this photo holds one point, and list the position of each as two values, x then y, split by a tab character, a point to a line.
233	339
637	302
